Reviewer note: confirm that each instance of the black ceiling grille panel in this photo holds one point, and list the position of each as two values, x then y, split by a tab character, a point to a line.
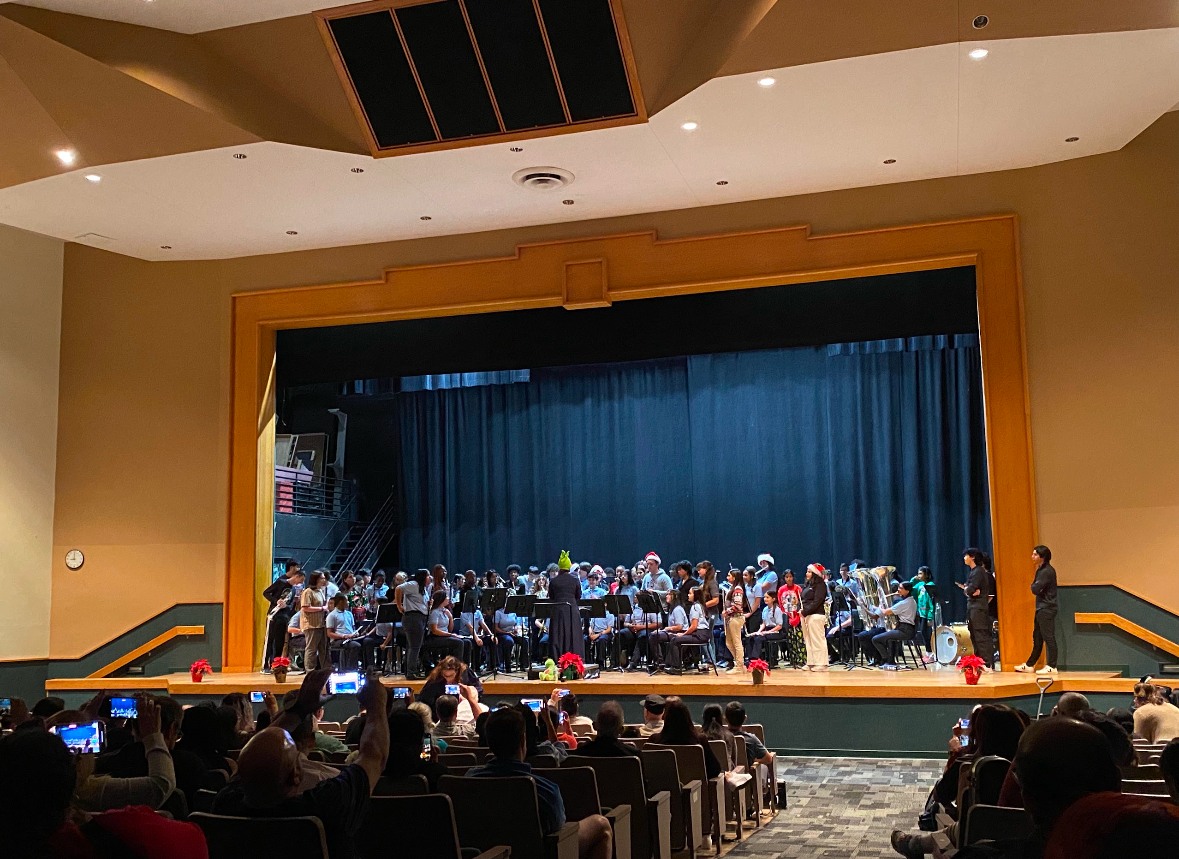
448	68
589	59
381	75
517	63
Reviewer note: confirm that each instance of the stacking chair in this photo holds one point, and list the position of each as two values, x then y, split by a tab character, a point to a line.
410	785
484	824
690	760
735	795
661	773
579	792
424	826
262	837
620	782
993	823
706	652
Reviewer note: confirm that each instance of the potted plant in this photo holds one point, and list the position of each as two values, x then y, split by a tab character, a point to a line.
760	669
280	665
571	667
199	669
971	668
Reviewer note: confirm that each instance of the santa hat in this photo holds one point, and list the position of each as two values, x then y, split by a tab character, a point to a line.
817	569
767	557
597	570
656	558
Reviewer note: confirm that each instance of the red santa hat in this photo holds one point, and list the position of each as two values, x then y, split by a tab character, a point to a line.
596	569
651	555
817	569
767	557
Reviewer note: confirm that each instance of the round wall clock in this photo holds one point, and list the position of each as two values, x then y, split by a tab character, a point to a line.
74	559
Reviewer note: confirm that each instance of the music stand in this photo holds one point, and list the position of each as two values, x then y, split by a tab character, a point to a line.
492	600
619	606
521	605
389	613
543	610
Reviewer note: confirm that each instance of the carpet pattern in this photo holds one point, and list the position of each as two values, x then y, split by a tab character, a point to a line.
843	808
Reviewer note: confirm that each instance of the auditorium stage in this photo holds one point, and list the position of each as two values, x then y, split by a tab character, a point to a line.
938	683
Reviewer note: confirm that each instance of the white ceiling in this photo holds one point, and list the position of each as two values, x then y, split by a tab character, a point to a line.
820	127
185	16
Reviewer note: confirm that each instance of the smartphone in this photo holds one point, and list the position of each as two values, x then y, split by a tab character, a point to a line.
348	683
124	708
561	693
257	697
533	704
452	689
964	724
427	747
400	691
964	740
562	718
5	706
85	739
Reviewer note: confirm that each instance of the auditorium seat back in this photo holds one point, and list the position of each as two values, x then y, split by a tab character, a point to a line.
620	782
661	773
992	823
483	823
262	837
410	826
690	760
410	785
579	792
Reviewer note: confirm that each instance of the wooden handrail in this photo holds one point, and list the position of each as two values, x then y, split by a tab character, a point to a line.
1129	626
131	656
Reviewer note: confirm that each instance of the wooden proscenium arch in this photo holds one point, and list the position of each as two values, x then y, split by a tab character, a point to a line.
596	272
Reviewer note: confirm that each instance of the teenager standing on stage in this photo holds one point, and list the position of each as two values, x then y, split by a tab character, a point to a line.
712	607
311	603
922	586
283	595
655	579
790	601
978	617
565	626
734	617
814	619
411	602
1044	633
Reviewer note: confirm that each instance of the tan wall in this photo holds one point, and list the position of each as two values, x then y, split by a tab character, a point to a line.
30	337
142	456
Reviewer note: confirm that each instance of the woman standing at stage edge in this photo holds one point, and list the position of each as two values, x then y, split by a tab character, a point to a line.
565	625
1044	633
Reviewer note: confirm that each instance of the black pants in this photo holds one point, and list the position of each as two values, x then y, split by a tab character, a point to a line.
883	641
864	639
1044	632
925	630
414	624
978	620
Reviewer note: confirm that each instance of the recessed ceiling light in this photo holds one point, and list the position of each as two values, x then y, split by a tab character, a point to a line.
689	126
93	177
723	182
1071	139
357	169
567	202
292	232
66	156
978	53
890	161
766	82
425	218
240	156
516	149
980	22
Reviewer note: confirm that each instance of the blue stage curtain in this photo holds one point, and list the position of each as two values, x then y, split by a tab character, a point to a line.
870	450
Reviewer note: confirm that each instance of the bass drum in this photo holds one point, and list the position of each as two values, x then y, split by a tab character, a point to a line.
951	643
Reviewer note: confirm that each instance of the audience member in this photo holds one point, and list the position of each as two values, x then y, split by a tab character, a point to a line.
679	730
243	713
407	737
1125	718
312	771
508	741
104	792
1169	764
47	707
1114	826
38	777
577	723
1120	745
713	726
608	725
755	750
269	773
451	671
200	736
653	706
326	743
1070	704
448	725
538	744
1155	718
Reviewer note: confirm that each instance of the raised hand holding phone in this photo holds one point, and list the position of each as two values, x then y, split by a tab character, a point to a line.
147	722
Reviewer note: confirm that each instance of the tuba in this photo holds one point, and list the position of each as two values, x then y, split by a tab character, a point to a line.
876	595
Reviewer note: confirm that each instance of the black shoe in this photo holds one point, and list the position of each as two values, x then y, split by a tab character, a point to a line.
675	672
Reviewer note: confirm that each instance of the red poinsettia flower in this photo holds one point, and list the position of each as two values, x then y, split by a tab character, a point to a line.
280	662
573	659
201	666
759	665
971	662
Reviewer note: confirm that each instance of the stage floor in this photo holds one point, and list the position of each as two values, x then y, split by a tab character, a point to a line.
938	683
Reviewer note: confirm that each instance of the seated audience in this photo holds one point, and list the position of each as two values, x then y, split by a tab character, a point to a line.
713	727
326	743
38	777
1155	718
269	772
451	671
507	739
47	707
679	730
200	736
448	724
407	737
243	726
538	743
312	771
1169	764
755	750
608	725
101	792
577	723
1071	704
1114	826
1124	718
1120	745
653	706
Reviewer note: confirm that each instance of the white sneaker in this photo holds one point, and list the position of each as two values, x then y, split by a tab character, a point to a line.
1047	669
733	670
1024	668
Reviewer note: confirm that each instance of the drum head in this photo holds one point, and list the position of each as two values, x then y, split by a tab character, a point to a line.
945	645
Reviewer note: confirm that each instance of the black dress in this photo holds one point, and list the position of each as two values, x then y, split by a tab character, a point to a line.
565	626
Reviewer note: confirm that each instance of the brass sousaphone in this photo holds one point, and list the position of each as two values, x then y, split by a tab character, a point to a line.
876	596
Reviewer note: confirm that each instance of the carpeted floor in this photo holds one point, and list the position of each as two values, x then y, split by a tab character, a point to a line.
843	808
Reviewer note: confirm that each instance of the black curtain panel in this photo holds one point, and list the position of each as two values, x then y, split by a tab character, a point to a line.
859	450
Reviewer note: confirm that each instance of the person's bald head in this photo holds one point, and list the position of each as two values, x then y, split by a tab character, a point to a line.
1071	704
1060	760
268	768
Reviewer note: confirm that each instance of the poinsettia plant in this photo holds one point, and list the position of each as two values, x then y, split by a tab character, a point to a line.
201	666
280	662
571	666
759	665
971	663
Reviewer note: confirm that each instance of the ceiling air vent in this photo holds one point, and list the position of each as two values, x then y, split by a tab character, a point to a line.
446	73
542	178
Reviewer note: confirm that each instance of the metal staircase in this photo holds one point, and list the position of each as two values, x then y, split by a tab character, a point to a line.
364	543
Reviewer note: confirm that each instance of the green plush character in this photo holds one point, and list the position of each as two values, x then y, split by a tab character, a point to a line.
550	671
563	562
